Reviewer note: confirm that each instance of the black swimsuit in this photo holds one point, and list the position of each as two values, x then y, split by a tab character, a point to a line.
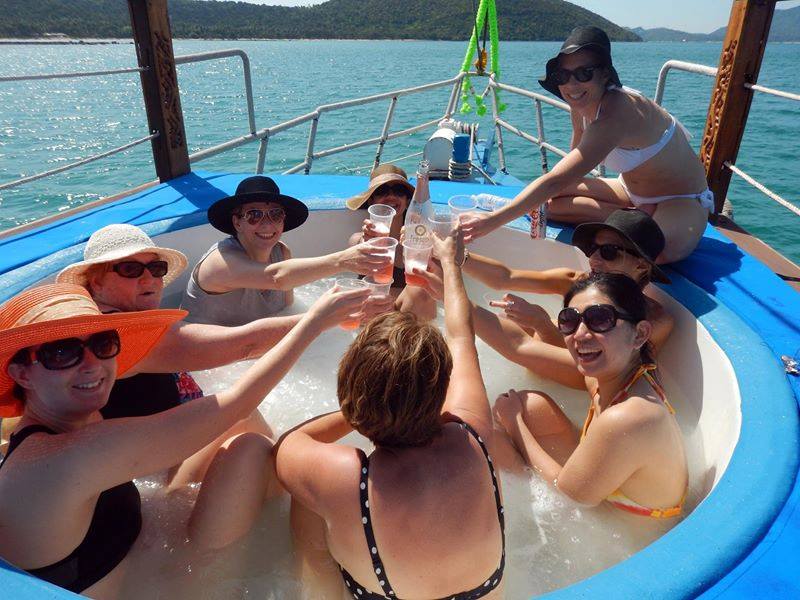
149	393
360	592
116	522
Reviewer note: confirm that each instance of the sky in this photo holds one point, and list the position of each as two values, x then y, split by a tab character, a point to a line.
694	16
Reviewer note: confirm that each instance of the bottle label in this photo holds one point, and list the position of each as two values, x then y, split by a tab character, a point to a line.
538	223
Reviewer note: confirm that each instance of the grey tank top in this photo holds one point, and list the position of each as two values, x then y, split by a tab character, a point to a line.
236	307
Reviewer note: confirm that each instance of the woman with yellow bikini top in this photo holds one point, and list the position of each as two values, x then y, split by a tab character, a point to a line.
630	450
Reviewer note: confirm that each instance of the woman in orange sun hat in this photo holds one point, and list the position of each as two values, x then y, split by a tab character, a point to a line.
69	510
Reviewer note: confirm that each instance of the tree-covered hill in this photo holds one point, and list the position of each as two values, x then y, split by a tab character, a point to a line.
334	19
785	28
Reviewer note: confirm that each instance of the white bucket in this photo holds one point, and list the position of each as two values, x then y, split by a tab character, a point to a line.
439	149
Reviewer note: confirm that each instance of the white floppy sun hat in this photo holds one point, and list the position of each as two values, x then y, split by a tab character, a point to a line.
115	242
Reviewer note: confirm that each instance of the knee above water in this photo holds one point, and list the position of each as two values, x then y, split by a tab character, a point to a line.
248	446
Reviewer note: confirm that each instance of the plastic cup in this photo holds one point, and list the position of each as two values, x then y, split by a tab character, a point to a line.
346	285
377	288
443	223
381	216
416	254
462	204
387	246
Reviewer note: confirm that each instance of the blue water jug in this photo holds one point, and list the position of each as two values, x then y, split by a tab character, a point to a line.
461	148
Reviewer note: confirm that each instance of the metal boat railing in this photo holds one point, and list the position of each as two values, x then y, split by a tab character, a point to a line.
500	125
265	134
539	139
699	69
88	159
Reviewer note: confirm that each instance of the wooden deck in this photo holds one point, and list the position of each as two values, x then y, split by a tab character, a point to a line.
782	266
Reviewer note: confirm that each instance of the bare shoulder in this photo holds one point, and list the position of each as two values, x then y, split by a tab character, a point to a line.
616	104
220	266
40	460
637	417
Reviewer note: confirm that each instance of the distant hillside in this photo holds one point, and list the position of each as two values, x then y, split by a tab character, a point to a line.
335	19
785	28
663	34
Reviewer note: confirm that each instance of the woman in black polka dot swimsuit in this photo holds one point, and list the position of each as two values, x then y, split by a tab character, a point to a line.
421	401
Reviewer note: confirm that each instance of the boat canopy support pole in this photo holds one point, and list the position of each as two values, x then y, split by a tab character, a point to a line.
739	64
153	40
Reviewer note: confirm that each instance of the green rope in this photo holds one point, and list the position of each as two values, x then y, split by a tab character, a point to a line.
494	36
486	10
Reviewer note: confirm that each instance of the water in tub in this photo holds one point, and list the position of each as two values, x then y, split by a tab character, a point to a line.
552	541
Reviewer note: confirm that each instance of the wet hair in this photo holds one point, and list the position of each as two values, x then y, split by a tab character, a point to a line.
393	379
21	357
625	294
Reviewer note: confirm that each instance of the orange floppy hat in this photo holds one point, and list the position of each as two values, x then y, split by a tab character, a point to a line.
58	311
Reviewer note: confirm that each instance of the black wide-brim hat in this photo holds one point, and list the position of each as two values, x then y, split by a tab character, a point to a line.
257	188
635	226
592	38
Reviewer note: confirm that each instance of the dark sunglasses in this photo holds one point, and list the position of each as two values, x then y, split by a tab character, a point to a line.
562	76
598	318
394	189
254	216
132	269
67	353
609	252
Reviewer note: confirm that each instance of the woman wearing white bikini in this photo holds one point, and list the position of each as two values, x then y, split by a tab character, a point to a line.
630	134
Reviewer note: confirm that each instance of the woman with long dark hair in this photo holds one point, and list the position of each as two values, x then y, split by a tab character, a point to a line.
630	450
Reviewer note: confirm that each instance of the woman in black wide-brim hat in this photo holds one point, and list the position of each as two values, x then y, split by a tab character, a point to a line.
629	133
251	273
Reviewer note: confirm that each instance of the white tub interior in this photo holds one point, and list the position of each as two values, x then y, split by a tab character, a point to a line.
552	542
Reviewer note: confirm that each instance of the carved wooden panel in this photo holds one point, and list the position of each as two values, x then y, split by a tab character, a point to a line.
170	95
718	97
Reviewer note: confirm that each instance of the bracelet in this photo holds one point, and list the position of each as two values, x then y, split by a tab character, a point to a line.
464	260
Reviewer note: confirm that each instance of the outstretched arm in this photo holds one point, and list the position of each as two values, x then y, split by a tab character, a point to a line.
115	451
195	347
511	341
599	138
499	276
466	394
229	272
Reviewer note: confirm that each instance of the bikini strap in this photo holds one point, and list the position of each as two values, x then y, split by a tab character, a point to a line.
498	501
645	370
17	438
366	520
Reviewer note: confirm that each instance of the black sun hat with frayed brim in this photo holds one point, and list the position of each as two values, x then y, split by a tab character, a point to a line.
635	226
257	188
581	38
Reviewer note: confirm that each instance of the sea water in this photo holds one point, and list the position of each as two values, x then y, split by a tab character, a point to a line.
551	541
47	124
